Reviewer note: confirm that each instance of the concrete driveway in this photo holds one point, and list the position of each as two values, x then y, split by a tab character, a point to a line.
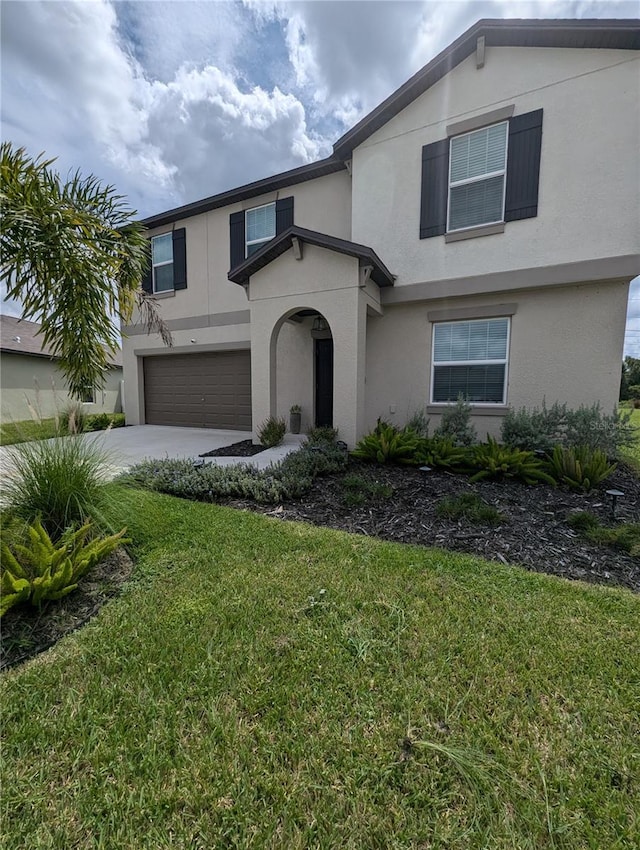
130	445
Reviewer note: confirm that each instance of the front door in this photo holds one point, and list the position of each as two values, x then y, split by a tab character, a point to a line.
324	382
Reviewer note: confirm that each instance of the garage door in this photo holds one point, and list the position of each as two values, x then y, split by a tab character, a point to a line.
211	390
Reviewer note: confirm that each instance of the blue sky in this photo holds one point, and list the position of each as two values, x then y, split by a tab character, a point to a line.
175	101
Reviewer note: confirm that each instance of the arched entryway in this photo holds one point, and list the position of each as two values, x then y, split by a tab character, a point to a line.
302	366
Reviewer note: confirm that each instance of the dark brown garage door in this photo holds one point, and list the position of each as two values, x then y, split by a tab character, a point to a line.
211	390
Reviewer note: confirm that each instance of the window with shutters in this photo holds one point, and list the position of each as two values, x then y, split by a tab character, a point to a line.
470	359
477	177
162	262
260	227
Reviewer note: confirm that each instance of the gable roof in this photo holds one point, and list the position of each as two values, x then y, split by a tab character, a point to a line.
509	32
281	243
598	33
19	336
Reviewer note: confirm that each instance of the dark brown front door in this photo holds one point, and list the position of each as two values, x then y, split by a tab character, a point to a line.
207	390
324	382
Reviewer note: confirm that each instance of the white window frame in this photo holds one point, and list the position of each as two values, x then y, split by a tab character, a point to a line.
86	393
155	266
258	242
502	172
502	361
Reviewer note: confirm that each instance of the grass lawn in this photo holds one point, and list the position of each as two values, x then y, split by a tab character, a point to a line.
263	684
22	432
632	454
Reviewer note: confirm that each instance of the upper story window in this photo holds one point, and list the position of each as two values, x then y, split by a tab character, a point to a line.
162	262
470	360
260	227
167	271
475	182
477	171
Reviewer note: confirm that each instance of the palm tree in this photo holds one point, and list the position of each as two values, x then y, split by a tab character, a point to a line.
73	255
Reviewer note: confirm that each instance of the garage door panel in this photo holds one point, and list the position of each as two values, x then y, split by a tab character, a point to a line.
211	390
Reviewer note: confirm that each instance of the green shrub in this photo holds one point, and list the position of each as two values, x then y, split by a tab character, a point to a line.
359	491
534	429
590	427
442	453
117	420
580	468
321	434
288	479
39	570
73	419
59	481
419	423
625	536
271	432
455	424
386	444
469	506
496	461
98	422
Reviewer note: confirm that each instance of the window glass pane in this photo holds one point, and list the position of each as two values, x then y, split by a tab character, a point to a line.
478	153
251	249
474	340
163	278
162	247
478	384
476	203
261	223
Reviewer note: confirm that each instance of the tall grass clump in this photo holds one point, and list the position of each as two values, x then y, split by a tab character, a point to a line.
58	481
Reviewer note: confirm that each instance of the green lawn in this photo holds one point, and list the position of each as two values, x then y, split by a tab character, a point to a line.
263	684
27	430
632	454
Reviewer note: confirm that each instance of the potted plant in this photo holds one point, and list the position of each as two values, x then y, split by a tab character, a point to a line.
295	415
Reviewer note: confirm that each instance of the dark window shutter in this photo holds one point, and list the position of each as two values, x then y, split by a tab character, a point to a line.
523	166
180	259
236	237
435	189
284	214
147	275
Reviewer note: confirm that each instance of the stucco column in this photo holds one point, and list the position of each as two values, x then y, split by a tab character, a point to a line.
349	360
263	366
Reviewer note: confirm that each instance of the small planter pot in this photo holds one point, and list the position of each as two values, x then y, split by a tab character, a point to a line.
294	422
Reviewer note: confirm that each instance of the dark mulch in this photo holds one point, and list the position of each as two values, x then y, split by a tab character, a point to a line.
245	448
535	533
27	631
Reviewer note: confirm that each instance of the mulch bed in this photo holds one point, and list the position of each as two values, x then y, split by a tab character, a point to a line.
535	533
245	448
27	631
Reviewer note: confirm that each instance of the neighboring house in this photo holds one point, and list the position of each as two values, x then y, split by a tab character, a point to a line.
31	383
475	234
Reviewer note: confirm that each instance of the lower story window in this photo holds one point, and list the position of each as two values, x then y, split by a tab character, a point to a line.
470	359
88	394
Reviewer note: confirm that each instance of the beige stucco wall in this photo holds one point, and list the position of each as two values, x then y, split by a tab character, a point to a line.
33	385
566	345
295	366
589	203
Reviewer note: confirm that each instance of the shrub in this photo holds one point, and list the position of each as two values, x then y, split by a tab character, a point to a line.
590	427
117	420
583	521
496	461
272	431
387	444
59	481
442	453
469	506
73	419
97	422
289	479
580	468
534	429
39	570
419	423
456	424
321	434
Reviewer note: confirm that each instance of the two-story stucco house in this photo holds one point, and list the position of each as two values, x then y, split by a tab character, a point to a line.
475	234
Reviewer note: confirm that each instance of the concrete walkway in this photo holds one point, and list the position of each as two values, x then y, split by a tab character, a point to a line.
130	445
